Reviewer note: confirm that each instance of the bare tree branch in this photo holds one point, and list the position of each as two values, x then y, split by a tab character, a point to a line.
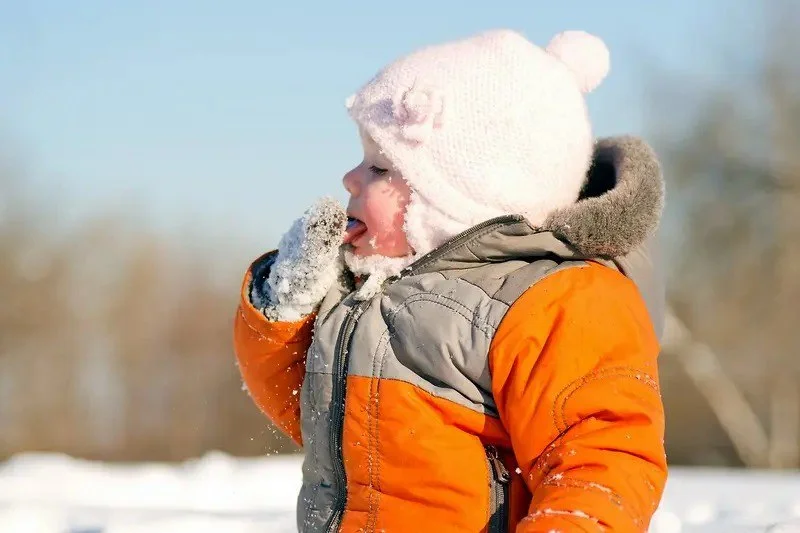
730	406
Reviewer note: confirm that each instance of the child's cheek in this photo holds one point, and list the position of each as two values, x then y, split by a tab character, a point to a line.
386	204
392	240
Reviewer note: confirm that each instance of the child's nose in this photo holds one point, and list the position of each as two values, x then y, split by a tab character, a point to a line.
352	182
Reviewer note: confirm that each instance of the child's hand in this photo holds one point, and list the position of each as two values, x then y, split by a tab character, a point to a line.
307	263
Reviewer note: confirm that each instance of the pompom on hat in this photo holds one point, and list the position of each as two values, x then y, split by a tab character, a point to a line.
585	55
485	126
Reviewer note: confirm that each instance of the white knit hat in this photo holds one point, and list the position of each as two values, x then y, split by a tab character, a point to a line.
485	126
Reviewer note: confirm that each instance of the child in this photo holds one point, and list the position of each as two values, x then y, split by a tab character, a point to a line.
471	345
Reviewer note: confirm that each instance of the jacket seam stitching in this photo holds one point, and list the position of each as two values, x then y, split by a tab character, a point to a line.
489	502
560	404
250	326
572	483
568	516
480	325
484	291
372	428
315	491
377	436
442	398
613	496
261	336
370	442
558	267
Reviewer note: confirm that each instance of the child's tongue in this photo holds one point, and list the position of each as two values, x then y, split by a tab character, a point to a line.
354	229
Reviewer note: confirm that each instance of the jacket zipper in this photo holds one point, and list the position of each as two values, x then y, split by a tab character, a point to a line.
498	491
455	242
341	358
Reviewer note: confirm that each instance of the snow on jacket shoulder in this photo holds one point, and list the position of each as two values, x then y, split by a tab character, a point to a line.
506	382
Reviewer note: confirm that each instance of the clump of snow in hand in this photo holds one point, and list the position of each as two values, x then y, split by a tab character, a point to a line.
308	262
310	257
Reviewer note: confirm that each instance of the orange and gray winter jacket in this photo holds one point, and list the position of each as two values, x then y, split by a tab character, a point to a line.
507	381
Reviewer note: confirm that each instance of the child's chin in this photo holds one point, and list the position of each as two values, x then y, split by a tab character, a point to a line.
363	248
373	252
366	250
361	251
371	262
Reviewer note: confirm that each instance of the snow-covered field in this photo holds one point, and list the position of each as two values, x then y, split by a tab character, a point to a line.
56	494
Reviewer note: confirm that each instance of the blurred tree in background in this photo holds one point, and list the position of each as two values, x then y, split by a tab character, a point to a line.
115	343
733	169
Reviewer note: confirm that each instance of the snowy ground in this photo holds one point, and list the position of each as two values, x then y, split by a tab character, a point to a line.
221	494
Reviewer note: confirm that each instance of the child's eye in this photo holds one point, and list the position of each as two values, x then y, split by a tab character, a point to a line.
378	171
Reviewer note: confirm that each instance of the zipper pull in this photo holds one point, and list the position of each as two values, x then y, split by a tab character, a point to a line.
499	470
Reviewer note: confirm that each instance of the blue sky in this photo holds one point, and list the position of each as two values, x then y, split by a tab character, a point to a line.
228	117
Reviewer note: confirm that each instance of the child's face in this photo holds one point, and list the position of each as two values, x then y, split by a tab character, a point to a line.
377	206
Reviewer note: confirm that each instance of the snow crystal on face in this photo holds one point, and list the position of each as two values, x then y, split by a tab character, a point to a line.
307	263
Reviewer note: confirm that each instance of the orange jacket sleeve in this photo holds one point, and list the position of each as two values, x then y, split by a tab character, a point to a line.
576	384
271	358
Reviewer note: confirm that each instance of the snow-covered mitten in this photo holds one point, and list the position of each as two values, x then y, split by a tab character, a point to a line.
307	264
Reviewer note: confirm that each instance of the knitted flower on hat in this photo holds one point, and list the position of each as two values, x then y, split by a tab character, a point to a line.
485	126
